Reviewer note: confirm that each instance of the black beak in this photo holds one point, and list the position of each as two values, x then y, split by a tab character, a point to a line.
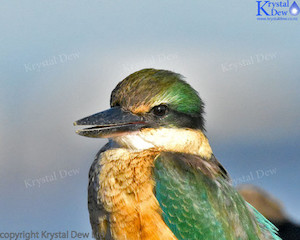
109	123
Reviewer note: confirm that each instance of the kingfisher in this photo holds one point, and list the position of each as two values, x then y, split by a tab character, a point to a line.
157	177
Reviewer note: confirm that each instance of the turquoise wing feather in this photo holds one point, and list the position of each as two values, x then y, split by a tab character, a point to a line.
198	201
269	228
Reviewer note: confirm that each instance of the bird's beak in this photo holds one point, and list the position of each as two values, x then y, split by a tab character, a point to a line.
109	123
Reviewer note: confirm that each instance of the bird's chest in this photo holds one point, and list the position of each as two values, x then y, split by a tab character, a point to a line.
126	192
125	178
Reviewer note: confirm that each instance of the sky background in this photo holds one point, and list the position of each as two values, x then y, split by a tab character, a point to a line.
60	60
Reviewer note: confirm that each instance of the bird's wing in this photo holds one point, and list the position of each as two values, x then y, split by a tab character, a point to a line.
269	229
98	215
198	201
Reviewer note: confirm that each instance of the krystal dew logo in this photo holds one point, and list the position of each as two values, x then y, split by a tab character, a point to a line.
277	10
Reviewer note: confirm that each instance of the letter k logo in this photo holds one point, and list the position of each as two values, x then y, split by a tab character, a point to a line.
260	8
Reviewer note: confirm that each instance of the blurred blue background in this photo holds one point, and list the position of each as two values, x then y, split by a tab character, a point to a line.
61	59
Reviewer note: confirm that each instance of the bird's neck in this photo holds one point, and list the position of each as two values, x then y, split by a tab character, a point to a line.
188	141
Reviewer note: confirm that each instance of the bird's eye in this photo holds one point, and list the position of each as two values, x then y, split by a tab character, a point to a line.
160	110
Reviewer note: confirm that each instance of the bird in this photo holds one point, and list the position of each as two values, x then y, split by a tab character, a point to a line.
157	177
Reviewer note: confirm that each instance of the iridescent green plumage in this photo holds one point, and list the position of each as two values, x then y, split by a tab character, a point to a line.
198	201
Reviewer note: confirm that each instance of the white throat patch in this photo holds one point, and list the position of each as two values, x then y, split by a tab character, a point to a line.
168	139
133	141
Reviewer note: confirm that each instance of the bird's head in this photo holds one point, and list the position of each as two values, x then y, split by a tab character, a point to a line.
148	102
